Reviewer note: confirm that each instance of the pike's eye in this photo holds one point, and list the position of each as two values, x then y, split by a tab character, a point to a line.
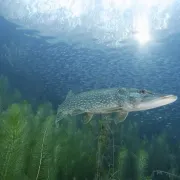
142	91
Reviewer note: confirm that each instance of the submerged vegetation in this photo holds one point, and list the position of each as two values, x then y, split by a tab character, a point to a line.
33	148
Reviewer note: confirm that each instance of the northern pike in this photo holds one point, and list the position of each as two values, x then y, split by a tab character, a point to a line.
120	101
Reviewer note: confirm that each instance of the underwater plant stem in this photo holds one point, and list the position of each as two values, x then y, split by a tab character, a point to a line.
164	172
98	162
42	147
113	154
115	173
7	159
112	133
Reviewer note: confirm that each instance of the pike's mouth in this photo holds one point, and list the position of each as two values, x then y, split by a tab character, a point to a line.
170	98
157	102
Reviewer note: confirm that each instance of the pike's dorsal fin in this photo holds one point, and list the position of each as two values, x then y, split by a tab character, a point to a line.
120	116
69	95
87	117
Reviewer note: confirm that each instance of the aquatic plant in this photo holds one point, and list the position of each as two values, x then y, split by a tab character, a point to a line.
122	162
169	175
41	159
102	146
76	154
142	164
13	141
32	148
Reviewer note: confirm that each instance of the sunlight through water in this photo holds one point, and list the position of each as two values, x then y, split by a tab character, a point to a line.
142	28
107	22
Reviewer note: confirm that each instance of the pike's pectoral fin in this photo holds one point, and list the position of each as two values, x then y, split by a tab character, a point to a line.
87	117
120	116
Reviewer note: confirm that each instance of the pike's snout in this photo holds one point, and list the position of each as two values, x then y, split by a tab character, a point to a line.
167	99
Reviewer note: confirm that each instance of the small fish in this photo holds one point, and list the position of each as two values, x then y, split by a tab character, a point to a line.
120	101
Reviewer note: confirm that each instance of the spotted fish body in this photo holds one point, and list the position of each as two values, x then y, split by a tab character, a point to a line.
106	101
92	101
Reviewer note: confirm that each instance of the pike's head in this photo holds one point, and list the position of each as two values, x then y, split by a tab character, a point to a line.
138	100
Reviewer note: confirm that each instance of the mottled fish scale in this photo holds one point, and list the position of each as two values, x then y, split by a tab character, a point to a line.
91	101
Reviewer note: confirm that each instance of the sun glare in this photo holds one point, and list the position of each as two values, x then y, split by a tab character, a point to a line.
142	29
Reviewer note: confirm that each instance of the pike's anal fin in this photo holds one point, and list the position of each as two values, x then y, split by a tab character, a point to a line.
87	117
120	116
